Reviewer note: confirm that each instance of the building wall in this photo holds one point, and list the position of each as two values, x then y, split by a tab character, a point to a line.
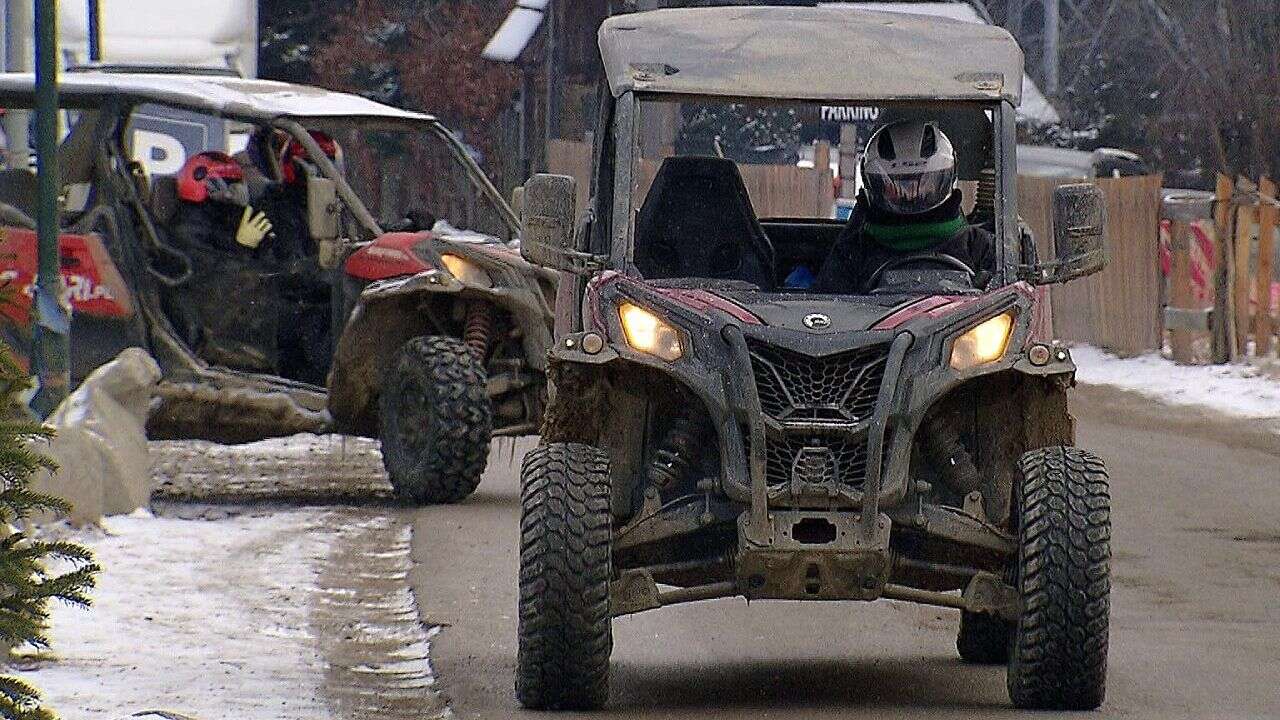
146	32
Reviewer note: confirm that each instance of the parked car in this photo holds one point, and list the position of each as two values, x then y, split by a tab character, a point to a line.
1045	161
715	433
404	328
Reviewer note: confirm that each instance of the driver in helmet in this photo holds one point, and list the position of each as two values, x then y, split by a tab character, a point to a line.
909	205
285	198
215	210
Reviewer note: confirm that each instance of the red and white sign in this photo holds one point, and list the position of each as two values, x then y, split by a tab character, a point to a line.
93	284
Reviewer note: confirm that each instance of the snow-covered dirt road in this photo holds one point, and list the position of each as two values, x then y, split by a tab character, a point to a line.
248	612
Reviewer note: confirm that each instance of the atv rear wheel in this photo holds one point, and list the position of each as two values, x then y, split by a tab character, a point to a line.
435	420
983	639
566	631
1058	660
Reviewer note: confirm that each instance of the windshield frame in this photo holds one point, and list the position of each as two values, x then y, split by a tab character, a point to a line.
628	127
296	127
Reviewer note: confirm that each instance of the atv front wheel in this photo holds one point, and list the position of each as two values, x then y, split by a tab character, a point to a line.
435	421
1058	660
566	635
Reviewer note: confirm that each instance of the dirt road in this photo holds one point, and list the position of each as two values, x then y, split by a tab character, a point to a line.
1195	622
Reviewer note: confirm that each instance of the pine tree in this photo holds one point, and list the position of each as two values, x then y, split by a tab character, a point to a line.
26	583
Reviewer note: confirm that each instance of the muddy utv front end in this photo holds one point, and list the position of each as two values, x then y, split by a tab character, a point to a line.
444	347
817	475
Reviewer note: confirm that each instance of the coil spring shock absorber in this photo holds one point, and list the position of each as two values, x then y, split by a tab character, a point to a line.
478	329
678	452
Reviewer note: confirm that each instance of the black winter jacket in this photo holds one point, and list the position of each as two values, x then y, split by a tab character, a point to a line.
856	255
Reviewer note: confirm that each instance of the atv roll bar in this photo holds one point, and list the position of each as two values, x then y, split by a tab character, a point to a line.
478	177
330	171
358	208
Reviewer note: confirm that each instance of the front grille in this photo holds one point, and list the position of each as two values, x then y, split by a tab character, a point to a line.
837	389
816	460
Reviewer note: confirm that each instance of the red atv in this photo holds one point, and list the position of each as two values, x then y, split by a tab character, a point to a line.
404	328
718	429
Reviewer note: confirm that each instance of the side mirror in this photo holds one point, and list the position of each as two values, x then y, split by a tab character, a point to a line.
1079	235
547	217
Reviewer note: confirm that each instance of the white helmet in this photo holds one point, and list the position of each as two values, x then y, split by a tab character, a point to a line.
909	167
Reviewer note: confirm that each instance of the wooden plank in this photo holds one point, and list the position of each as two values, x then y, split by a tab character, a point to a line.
1126	296
821	175
1119	308
1246	215
1268	213
1181	294
1223	326
566	157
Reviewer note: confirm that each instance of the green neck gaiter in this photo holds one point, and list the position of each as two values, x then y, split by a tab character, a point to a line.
915	236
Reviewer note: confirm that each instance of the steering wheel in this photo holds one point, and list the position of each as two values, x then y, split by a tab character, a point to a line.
949	262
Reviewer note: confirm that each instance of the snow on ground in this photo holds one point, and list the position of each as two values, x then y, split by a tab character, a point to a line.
1235	390
259	614
203	618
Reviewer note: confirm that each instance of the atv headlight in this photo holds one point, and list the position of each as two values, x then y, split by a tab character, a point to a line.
466	271
649	333
983	343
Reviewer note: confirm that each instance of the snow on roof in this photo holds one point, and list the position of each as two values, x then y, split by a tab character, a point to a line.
232	97
513	36
814	53
1034	106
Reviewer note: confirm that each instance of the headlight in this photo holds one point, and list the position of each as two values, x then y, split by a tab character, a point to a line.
983	343
649	333
466	271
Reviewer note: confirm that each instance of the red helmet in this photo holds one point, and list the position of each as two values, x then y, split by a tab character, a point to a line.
208	174
295	153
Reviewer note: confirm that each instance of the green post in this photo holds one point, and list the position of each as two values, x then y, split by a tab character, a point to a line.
51	319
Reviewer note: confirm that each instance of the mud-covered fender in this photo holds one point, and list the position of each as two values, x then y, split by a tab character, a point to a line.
390	312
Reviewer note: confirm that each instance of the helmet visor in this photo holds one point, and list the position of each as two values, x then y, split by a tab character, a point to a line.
910	193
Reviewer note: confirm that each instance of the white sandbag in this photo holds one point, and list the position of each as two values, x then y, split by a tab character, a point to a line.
101	441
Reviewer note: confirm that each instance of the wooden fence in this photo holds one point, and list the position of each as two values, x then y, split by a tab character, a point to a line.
1245	216
1119	308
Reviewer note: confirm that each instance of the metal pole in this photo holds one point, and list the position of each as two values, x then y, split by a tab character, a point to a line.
551	129
528	106
95	32
1052	29
51	319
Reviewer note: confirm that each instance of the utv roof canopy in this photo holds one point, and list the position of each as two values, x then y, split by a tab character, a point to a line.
231	97
809	53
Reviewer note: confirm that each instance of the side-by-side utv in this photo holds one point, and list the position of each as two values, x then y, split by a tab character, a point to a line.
401	327
717	428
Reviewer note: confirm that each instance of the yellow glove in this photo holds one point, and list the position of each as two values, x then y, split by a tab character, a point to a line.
253	228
